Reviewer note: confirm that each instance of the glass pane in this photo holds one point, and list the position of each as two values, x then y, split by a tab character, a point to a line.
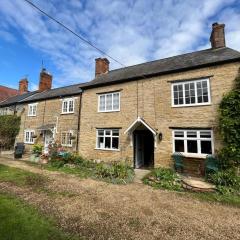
192	146
115	101
204	84
187	86
175	88
70	106
108	132
109	102
192	86
102	103
205	134
115	143
192	99
175	101
180	88
205	98
206	147
175	94
100	132
191	134
100	142
187	93
115	132
180	100
179	134
200	100
107	142
187	100
179	145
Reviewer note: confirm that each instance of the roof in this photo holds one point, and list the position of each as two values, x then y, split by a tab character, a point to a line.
48	94
178	63
15	99
54	93
47	127
6	92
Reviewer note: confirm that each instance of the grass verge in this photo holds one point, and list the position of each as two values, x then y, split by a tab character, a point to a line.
19	221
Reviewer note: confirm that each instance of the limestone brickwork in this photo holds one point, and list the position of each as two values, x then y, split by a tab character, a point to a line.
151	99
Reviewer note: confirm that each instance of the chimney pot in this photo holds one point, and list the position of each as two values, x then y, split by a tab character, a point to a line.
217	37
102	66
45	82
23	86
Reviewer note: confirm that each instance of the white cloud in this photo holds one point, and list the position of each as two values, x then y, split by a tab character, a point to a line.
130	31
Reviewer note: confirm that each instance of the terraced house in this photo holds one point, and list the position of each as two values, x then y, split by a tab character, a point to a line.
143	113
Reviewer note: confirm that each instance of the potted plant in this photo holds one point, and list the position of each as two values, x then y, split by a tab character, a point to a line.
36	152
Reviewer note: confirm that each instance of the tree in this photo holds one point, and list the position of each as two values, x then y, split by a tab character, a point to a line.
229	124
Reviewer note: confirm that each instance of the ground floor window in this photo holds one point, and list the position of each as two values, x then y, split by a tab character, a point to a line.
28	136
66	139
193	141
108	139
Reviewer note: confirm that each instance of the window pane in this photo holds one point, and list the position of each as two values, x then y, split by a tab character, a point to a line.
187	100
70	106
179	145
206	147
175	101
180	100
205	98
191	134
205	134
100	132
115	132
102	103
192	146
107	142
100	142
115	143
204	84
175	88
179	134
109	102
108	132
115	101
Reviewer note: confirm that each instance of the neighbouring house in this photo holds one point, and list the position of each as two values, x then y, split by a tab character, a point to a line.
143	113
6	92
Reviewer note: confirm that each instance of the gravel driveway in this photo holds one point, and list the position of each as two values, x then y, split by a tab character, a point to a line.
98	210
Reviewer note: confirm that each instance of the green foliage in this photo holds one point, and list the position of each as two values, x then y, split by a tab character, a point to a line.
37	149
9	128
116	172
163	178
229	124
20	221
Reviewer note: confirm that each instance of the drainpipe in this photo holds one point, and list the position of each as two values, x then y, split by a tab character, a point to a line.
79	120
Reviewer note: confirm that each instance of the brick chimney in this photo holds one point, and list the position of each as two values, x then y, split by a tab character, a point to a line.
23	86
102	66
45	82
217	38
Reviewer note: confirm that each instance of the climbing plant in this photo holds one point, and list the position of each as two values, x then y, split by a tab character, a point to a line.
9	128
229	124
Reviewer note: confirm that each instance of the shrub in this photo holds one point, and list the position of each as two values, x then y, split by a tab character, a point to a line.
229	125
9	128
164	178
56	162
117	170
226	178
37	149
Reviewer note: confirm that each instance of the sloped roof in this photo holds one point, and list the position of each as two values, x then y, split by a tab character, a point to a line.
54	93
6	92
178	63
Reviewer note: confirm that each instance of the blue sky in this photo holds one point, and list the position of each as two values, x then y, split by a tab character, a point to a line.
131	31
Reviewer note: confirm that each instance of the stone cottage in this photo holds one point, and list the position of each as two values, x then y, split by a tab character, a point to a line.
143	113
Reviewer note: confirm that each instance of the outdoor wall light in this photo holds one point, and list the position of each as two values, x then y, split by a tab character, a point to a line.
160	136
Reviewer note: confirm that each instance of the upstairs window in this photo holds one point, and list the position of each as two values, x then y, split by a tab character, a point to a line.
32	110
68	106
108	139
109	102
66	139
193	141
28	136
191	93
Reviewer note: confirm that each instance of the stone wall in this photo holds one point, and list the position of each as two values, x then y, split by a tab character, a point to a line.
151	99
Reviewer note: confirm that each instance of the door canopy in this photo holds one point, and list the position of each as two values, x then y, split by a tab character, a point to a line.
138	122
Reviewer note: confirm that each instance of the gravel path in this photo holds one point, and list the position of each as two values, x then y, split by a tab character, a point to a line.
98	210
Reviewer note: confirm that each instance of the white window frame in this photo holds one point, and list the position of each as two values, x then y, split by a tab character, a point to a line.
31	132
111	136
198	139
68	134
105	95
68	100
184	99
31	106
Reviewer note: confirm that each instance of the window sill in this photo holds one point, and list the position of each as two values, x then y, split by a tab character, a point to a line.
195	155
67	145
67	113
29	143
109	111
32	115
107	149
191	105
